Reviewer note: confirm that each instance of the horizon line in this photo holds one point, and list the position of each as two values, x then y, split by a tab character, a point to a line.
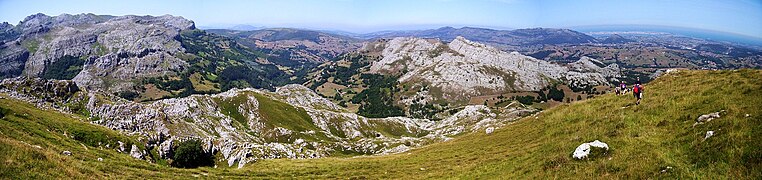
400	27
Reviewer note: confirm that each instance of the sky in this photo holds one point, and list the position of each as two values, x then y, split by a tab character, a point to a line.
742	17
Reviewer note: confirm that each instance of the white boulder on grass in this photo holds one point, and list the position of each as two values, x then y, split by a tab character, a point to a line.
709	134
490	130
583	150
709	117
135	152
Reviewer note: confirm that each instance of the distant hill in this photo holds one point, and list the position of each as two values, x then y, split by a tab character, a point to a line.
690	32
294	47
245	27
616	39
518	37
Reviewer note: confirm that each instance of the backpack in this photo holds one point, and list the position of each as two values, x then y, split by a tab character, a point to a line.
636	89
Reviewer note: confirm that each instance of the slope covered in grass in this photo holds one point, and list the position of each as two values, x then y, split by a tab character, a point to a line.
645	140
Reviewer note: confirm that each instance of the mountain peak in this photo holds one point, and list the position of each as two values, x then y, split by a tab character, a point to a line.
35	16
616	39
447	28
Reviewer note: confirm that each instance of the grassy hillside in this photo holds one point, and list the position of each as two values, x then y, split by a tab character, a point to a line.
645	140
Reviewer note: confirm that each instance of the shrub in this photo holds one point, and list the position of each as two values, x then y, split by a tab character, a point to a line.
556	94
525	99
64	68
190	154
129	95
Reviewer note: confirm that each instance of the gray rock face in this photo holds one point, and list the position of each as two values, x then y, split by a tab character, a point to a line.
305	97
7	33
590	65
463	69
12	59
115	50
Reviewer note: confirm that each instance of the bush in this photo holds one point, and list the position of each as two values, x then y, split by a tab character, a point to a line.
525	99
556	94
64	68
378	100
129	95
190	154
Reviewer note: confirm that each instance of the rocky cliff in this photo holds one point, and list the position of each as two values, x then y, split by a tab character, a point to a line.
462	68
98	52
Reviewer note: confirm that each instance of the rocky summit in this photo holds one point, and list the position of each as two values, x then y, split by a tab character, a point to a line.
462	68
97	52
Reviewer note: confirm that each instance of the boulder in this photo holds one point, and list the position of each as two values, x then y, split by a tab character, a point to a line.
121	146
489	130
708	134
708	117
583	150
135	152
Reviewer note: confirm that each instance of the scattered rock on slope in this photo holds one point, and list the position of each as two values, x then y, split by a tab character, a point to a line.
135	152
708	117
585	149
708	134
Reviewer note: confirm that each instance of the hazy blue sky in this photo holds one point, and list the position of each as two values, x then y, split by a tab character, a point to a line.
736	16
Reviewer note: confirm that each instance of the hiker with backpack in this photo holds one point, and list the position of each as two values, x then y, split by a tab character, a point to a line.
622	88
637	90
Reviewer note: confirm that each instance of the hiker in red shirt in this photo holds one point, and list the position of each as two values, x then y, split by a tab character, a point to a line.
637	90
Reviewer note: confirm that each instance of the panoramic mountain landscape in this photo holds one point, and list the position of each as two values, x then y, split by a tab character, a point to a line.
95	91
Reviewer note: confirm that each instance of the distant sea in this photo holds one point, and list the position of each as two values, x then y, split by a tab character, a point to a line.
690	32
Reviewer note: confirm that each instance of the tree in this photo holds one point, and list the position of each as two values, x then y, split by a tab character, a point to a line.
556	94
541	96
377	101
190	154
525	99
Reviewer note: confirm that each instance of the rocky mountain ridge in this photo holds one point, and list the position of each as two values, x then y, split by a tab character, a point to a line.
98	52
511	40
243	125
463	68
